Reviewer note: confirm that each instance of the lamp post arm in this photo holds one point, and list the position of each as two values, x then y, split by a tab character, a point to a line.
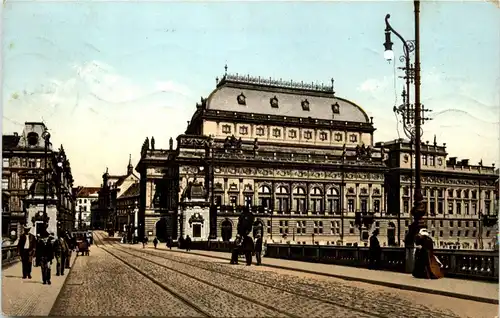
405	44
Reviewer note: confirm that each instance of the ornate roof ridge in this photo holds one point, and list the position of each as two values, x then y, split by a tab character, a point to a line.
253	80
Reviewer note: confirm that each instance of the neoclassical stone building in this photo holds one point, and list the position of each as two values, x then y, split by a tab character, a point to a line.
303	160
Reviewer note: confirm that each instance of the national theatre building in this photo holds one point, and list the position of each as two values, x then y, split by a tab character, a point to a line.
305	162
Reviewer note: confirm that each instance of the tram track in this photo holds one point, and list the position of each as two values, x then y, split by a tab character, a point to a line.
260	308
183	299
423	312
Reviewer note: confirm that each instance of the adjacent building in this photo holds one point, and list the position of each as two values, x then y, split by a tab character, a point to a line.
305	162
104	214
36	182
84	197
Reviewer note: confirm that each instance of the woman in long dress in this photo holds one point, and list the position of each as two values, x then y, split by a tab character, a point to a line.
426	263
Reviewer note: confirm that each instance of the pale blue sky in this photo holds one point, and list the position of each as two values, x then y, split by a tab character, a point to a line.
104	75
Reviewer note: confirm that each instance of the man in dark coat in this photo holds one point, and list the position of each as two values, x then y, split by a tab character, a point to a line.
71	242
375	250
426	263
236	250
26	250
248	247
61	250
187	242
258	249
180	242
45	255
169	242
155	242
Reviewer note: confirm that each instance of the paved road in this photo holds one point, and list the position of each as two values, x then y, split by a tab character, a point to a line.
103	285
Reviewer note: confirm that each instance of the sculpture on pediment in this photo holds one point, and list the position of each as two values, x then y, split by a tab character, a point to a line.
152	143
232	143
171	143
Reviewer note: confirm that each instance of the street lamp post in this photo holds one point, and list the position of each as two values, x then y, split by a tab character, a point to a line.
344	151
46	138
413	121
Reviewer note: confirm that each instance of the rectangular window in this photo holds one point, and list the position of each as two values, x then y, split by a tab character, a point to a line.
450	208
196	230
248	200
364	205
351	227
440	233
350	205
487	205
316	205
432	207
38	163
441	223
218	200
459	223
466	234
300	204
226	129
466	208
5	162
451	233
233	200
474	208
431	161
376	205
451	223
424	160
265	202
5	184
459	208
406	206
283	205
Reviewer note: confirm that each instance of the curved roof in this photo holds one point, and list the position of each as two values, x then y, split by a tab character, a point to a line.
291	100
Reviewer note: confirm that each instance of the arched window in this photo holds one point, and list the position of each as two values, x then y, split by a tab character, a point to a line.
316	200
332	201
299	200
265	196
282	201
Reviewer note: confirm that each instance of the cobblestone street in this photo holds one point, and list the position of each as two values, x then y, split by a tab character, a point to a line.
177	284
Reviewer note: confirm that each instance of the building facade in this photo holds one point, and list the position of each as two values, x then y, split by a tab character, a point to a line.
36	182
304	161
84	197
104	214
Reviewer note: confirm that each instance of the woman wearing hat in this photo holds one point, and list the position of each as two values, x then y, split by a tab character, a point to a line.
426	263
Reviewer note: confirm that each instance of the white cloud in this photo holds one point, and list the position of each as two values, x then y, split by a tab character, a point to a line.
101	116
372	85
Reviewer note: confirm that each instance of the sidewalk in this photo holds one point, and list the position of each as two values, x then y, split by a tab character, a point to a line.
29	297
459	288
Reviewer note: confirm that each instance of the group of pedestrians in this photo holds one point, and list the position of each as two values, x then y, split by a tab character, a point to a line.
248	247
427	265
42	250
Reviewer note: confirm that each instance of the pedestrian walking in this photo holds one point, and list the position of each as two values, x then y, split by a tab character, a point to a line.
236	250
26	250
71	247
248	247
427	265
258	249
169	242
187	242
155	242
61	251
45	255
145	242
374	250
180	242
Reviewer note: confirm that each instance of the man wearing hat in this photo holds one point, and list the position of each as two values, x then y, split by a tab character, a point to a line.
26	249
45	255
258	248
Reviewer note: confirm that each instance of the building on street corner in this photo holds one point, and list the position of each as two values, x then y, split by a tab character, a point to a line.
36	182
84	198
304	160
